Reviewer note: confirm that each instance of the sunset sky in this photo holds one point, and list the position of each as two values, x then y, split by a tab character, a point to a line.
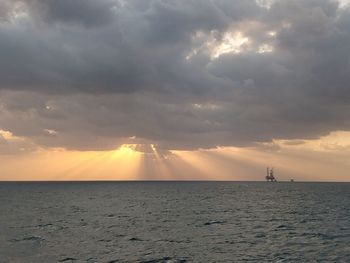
174	89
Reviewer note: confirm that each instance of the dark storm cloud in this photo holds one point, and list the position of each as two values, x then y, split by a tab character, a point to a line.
96	74
130	45
88	13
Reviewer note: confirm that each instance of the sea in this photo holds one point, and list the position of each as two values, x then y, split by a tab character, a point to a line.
152	222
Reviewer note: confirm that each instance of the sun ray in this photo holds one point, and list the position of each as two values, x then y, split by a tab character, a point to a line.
196	164
80	165
163	170
125	162
122	163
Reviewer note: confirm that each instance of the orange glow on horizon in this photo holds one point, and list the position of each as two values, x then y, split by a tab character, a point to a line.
325	159
120	164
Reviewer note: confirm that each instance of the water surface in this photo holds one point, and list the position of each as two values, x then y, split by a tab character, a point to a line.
174	222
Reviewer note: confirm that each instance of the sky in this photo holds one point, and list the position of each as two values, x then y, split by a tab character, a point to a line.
174	89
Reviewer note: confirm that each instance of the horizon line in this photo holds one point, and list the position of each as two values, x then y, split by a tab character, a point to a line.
160	181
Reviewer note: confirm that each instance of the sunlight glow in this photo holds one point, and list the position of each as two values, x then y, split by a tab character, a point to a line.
298	159
161	164
8	136
206	165
344	3
125	149
232	42
211	44
60	164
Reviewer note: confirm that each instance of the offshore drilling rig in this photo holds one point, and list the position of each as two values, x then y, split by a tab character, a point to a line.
270	175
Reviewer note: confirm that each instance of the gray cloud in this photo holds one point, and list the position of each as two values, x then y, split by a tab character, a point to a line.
97	74
88	13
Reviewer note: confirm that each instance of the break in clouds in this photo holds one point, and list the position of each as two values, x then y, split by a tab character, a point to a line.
182	74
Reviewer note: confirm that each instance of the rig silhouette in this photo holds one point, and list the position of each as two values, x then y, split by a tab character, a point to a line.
270	175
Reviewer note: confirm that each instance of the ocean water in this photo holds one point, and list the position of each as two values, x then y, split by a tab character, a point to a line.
174	222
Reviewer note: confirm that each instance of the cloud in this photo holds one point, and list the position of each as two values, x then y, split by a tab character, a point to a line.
88	13
10	144
178	74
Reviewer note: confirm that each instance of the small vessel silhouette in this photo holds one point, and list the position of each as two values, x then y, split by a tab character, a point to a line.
270	175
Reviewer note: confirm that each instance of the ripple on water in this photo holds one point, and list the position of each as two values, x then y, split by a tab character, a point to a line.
175	222
164	260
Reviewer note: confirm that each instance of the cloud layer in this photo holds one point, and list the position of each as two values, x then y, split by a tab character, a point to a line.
85	74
